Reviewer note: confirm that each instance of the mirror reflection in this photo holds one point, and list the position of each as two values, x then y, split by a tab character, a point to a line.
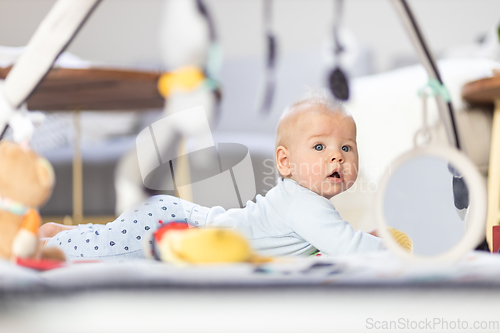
427	199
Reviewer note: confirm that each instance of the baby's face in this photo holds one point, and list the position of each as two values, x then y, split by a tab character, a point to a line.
323	156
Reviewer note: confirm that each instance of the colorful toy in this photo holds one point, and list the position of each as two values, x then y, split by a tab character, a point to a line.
402	239
496	239
182	79
175	242
26	182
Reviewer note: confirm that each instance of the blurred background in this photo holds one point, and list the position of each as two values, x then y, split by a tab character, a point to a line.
125	34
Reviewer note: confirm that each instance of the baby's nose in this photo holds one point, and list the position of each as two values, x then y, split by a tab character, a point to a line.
337	157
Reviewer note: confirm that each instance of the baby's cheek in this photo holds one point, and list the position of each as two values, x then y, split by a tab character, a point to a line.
350	178
349	183
351	171
316	169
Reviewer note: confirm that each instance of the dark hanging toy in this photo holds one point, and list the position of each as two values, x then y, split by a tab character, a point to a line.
337	80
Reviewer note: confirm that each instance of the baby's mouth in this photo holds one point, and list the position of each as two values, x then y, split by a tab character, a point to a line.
335	177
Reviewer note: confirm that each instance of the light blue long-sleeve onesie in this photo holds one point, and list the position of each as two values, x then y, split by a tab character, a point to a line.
289	220
292	220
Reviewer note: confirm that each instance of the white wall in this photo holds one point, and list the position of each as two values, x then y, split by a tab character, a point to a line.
124	32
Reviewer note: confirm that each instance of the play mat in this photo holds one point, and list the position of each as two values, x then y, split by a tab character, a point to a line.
377	269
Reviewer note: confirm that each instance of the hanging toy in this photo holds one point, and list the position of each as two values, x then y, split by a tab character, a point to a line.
270	85
182	79
460	191
192	59
339	85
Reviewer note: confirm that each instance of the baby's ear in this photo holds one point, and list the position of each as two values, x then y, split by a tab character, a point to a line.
282	161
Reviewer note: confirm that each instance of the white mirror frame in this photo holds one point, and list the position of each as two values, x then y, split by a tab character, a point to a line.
476	184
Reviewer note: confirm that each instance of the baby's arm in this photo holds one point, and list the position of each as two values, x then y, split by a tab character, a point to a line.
317	221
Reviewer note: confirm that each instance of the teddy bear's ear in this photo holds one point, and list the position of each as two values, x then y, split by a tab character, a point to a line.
45	173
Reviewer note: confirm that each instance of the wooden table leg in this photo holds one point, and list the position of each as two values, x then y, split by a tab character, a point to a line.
77	173
494	176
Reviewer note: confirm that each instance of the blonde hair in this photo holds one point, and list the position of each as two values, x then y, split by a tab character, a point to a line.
313	97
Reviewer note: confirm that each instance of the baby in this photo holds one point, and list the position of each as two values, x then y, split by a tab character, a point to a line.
316	157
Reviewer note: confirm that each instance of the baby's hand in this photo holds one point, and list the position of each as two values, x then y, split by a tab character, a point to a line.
374	233
43	242
50	229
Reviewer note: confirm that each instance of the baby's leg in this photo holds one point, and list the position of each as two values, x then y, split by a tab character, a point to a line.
125	237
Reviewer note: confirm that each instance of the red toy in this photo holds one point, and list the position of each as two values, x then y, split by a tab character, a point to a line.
496	238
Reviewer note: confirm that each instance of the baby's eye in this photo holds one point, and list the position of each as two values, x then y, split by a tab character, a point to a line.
319	147
346	148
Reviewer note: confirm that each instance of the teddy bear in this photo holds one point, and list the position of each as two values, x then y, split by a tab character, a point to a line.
26	183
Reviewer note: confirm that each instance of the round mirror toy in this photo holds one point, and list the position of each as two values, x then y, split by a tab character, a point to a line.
436	197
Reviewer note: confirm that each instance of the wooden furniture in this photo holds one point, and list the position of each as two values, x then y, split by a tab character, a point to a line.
487	92
92	89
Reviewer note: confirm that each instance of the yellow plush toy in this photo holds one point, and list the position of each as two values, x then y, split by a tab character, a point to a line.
402	239
26	182
175	242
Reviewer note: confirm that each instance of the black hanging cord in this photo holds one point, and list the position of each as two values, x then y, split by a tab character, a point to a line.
434	68
337	16
206	14
270	85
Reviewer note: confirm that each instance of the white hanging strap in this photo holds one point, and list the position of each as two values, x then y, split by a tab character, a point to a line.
423	135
